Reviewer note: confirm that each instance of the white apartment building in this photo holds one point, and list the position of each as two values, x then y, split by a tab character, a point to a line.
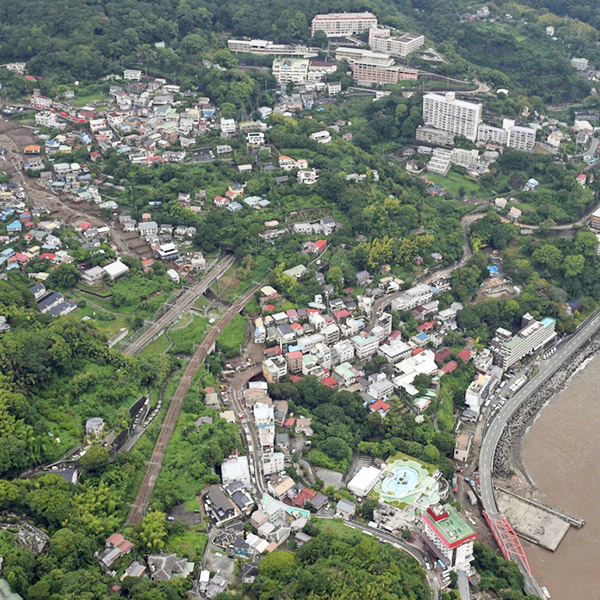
227	126
521	138
395	351
307	176
415	296
331	333
132	74
264	414
340	24
463	158
236	468
449	114
273	463
495	135
510	135
440	161
268	48
450	534
399	44
345	351
255	139
365	345
291	69
432	135
581	64
509	349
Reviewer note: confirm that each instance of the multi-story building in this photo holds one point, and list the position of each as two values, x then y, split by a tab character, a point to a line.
495	135
322	352
395	351
581	64
331	333
273	463
399	44
508	348
132	74
268	48
260	333
274	369
440	161
294	361
445	529
511	135
413	297
449	114
291	69
365	345
463	158
341	24
431	135
595	219
345	351
521	138
368	72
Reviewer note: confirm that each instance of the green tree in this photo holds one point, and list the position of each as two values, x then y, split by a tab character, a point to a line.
153	530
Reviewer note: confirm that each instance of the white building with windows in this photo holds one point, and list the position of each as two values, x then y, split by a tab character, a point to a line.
509	349
449	535
341	24
291	69
452	115
381	39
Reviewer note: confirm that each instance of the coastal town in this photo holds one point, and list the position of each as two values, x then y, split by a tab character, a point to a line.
327	307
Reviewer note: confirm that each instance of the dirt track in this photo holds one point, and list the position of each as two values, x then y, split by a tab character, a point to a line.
13	138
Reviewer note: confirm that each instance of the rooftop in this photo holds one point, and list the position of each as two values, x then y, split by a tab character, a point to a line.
452	526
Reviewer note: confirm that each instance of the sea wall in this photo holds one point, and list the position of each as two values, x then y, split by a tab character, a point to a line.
530	408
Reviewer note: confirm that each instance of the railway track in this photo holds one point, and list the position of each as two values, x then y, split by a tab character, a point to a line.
183	303
138	509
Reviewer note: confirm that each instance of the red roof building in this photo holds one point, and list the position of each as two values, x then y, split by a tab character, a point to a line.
289	422
321	245
330	382
449	366
464	354
341	314
303	497
380	406
427	326
417	351
84	225
442	355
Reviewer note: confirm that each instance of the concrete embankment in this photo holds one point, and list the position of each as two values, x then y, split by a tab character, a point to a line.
528	411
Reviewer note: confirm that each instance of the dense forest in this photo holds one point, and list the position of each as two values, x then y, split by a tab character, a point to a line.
343	566
72	40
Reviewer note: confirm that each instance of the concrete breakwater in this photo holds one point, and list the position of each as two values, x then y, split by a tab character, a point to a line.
530	408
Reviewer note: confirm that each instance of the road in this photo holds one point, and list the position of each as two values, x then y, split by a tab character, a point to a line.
183	303
492	437
138	508
256	453
413	551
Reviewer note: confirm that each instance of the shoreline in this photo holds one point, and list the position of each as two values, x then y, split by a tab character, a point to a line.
508	460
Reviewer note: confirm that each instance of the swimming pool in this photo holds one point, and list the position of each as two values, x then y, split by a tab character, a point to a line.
403	480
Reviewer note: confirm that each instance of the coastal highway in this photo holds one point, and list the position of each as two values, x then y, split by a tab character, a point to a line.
182	303
492	437
138	508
